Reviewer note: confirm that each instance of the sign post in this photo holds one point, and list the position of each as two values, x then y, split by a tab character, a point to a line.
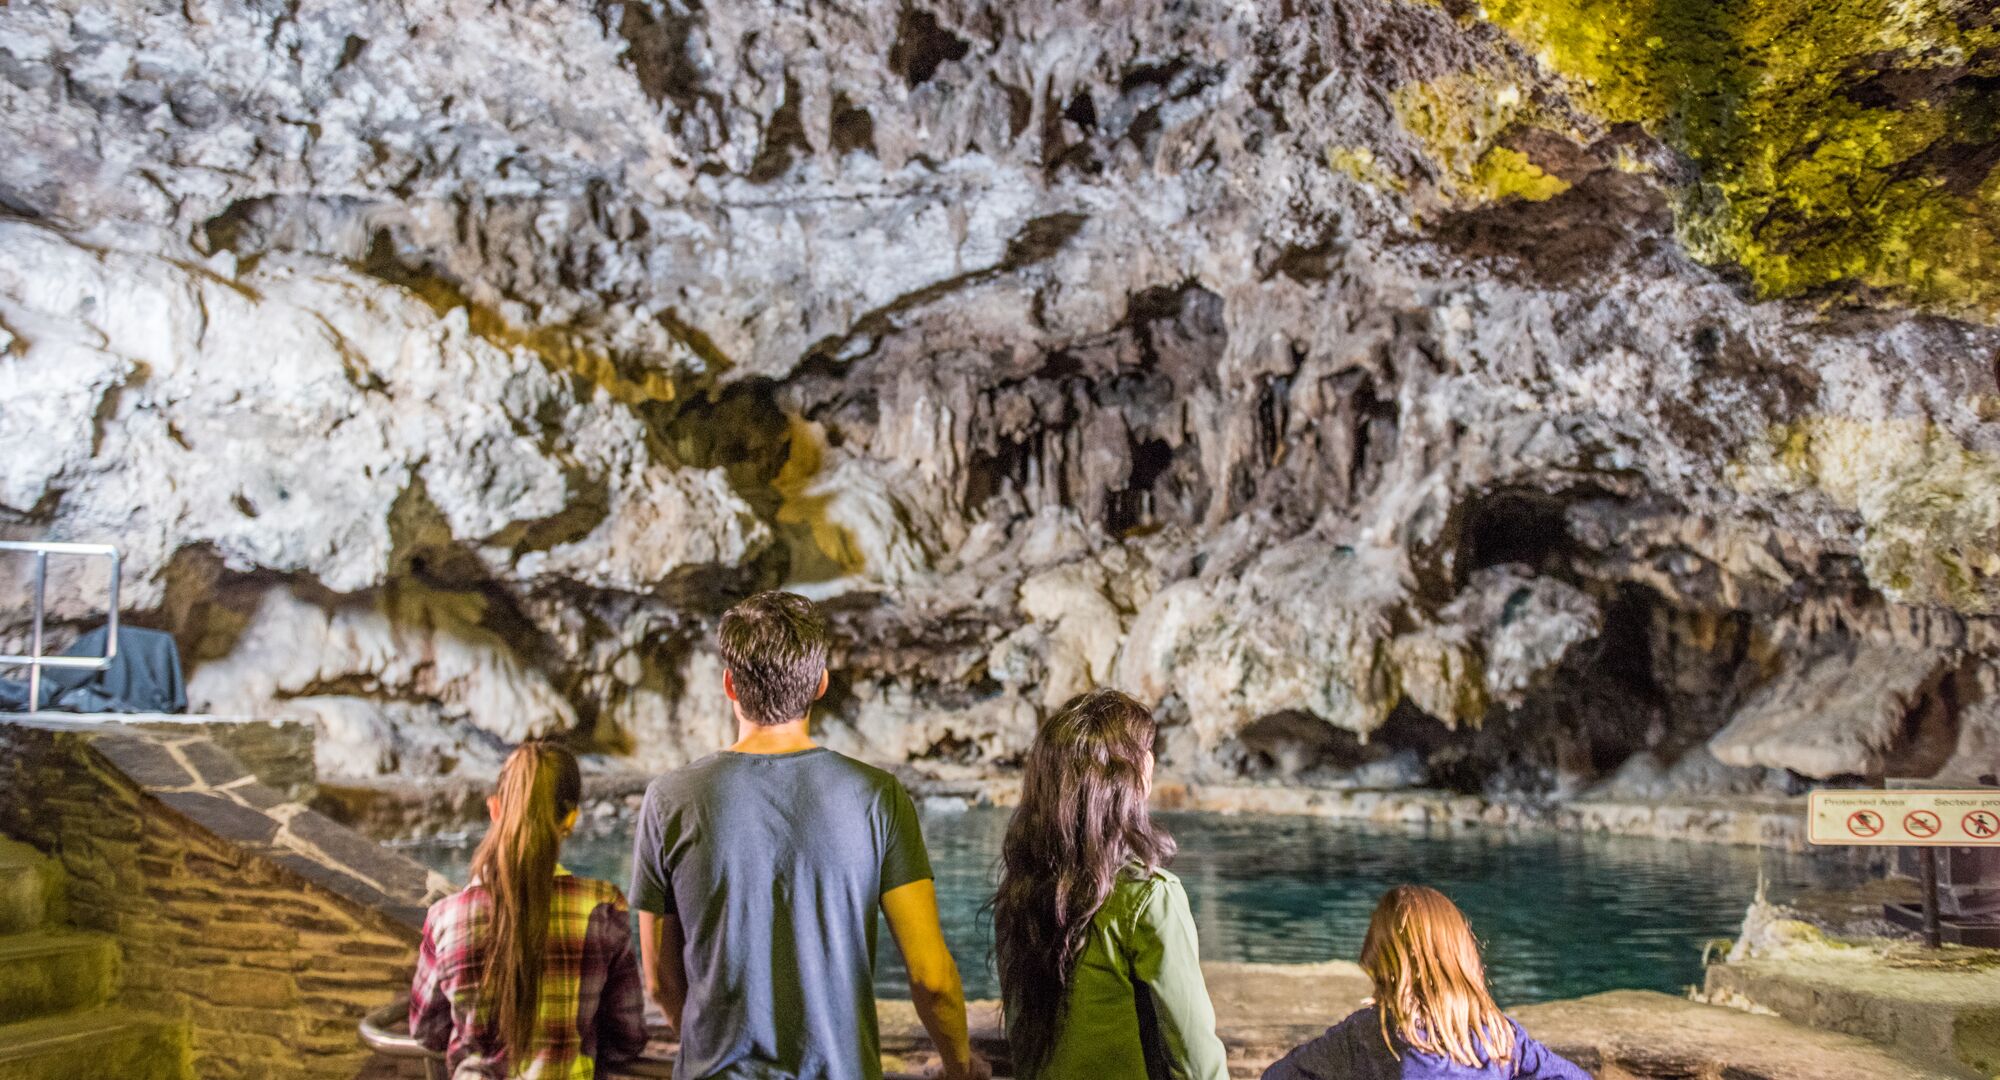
1921	819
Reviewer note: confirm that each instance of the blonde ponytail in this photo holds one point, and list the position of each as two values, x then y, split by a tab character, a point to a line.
516	862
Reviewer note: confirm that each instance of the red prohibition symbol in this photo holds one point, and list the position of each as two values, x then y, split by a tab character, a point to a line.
1921	823
1982	824
1864	823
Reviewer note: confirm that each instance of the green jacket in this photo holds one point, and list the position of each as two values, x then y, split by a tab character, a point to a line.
1137	1004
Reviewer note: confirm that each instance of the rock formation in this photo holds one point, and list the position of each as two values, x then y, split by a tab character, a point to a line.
1508	399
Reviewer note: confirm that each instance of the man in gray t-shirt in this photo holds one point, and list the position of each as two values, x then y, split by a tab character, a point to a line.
757	873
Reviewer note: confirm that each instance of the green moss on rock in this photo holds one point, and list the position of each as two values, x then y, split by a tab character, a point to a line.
1843	143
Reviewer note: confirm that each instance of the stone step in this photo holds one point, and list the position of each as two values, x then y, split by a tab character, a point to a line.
24	888
45	972
1637	1033
1942	1006
93	1045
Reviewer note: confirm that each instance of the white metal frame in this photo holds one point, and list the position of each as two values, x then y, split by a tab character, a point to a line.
36	657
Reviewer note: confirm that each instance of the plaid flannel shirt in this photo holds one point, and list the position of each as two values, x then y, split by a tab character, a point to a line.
591	1006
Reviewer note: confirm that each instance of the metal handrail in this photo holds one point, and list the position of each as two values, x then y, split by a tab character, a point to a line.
35	660
386	1031
379	1033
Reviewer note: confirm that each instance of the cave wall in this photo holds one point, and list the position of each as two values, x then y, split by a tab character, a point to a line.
1512	398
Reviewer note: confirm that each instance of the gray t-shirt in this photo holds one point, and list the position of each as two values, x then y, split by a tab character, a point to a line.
775	865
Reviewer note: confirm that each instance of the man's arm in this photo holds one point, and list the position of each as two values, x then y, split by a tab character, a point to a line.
934	986
662	966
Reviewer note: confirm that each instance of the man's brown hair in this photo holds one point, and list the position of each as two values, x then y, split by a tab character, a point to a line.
774	645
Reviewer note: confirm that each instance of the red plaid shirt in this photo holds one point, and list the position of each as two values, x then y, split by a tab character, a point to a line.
590	1007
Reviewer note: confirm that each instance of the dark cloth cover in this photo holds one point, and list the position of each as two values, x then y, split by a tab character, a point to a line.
145	676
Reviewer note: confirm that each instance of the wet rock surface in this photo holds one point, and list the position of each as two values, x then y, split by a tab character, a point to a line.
1394	397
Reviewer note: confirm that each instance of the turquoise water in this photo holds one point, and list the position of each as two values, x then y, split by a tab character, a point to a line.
1559	915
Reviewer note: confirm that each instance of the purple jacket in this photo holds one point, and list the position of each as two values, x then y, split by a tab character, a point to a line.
1353	1050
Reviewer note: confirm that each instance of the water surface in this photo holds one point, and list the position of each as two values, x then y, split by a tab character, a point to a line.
1559	915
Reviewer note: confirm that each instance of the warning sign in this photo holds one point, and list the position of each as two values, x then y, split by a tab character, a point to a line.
1921	824
1906	818
1982	825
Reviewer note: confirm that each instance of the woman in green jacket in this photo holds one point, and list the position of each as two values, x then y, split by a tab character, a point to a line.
1096	947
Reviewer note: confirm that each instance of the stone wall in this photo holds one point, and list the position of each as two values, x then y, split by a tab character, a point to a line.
266	927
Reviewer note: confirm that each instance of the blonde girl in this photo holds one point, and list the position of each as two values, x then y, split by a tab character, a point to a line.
1432	1017
529	971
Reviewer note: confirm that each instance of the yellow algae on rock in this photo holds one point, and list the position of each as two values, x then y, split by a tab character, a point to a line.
1503	173
1461	121
1360	163
1836	143
1930	507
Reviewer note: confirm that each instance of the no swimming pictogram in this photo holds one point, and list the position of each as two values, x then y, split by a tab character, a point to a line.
1864	823
1921	824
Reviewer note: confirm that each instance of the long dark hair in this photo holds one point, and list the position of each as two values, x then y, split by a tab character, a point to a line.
1082	821
516	863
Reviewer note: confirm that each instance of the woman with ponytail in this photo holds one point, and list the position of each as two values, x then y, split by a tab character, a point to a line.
1099	966
529	971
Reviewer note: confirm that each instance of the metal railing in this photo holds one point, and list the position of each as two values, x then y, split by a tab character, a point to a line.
36	657
387	1032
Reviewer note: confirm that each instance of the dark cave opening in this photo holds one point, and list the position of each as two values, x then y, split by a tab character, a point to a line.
658	47
740	428
1130	509
1513	526
994	470
922	45
852	126
784	139
1929	731
1602	704
1654	680
1292	742
1377	421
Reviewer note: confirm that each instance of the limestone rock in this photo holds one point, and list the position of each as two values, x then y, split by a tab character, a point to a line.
1085	629
1430	375
671	718
1838	714
183	431
424	668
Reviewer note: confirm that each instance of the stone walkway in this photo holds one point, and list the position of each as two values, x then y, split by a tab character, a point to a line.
1263	1010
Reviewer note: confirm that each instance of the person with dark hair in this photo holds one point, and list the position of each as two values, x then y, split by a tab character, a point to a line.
1100	971
758	872
528	971
1432	1017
